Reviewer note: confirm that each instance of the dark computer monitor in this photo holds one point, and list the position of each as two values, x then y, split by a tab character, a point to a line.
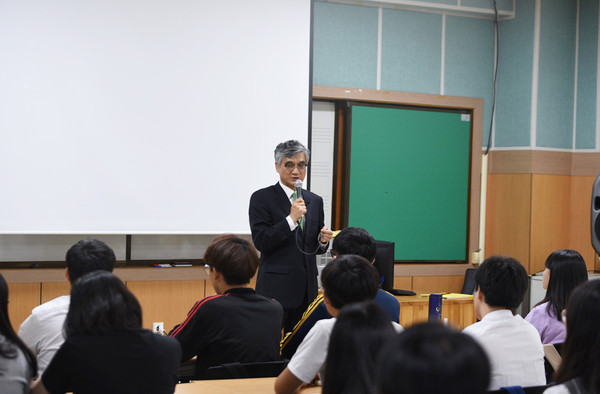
384	262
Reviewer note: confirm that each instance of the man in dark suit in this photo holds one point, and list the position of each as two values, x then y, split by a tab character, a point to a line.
289	232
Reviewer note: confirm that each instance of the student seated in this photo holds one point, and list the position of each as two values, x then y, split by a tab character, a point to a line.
360	332
513	345
42	331
351	240
431	358
345	280
579	371
106	350
236	325
565	270
17	362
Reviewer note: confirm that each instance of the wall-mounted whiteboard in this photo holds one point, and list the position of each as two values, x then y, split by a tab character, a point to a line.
146	116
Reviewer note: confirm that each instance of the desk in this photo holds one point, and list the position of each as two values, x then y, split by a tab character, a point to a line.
235	386
415	309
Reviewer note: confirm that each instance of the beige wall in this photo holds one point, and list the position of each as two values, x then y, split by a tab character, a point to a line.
538	202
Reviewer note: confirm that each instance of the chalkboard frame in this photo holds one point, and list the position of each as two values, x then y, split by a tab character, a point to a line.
343	95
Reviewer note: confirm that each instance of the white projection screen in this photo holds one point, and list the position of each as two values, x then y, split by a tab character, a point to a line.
146	116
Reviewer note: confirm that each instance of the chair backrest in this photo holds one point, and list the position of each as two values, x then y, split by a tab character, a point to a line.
384	262
469	283
267	369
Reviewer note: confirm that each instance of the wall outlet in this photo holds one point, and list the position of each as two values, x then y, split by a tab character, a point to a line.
158	327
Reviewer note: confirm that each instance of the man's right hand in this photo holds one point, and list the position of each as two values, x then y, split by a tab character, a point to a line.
298	210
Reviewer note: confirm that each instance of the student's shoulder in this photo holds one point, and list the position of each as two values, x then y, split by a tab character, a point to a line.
268	302
207	303
558	389
56	303
324	326
57	306
384	295
165	342
475	330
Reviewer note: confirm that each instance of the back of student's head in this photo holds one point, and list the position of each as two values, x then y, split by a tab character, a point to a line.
360	332
354	240
89	255
11	342
101	304
567	271
349	278
581	350
235	258
502	280
431	358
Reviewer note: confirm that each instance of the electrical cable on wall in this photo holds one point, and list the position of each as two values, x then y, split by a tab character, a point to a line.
489	143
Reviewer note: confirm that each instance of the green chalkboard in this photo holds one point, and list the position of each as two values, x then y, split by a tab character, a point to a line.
409	180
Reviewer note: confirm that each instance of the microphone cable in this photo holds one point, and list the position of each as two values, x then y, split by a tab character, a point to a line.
297	231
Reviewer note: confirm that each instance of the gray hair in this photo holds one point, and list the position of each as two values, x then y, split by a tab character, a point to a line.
290	149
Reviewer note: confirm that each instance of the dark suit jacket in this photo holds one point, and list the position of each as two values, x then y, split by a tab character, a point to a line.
285	273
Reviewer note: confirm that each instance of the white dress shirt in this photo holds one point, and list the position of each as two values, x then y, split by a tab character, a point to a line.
310	357
42	331
513	347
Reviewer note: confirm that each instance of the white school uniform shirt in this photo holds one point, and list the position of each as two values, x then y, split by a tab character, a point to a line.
558	389
310	357
513	347
42	331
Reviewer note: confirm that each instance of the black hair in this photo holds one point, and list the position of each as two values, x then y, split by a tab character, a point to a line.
235	258
354	240
101	304
349	278
89	255
581	349
567	271
432	358
503	281
8	347
360	332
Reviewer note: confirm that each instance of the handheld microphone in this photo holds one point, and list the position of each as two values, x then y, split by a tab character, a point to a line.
298	186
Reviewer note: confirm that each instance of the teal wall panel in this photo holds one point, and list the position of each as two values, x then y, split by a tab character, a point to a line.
556	75
345	54
345	45
587	75
411	51
515	69
470	62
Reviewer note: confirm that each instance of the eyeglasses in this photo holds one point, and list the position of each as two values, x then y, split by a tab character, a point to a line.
207	269
290	166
